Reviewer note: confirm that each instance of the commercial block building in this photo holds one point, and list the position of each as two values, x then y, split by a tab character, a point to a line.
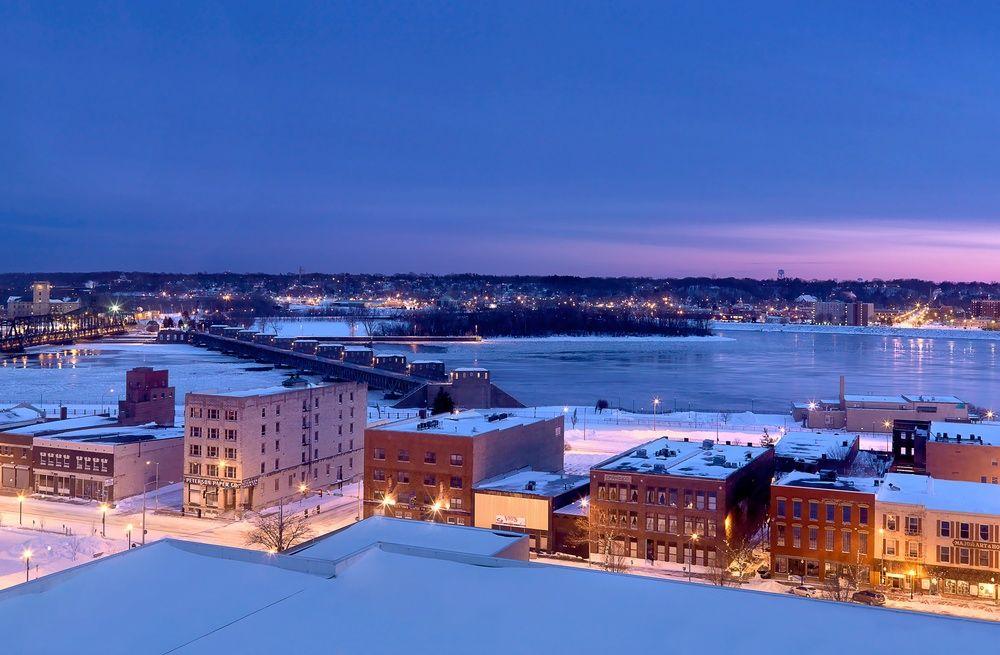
876	413
149	398
426	468
245	450
822	526
939	536
815	451
679	501
525	501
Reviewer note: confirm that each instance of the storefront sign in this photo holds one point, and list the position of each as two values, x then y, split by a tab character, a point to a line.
515	521
982	545
225	484
614	477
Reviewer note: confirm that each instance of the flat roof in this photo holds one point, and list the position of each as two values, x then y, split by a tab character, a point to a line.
469	423
359	604
425	534
942	495
810	447
934	399
265	391
64	425
859	398
665	456
115	434
544	483
858	484
946	430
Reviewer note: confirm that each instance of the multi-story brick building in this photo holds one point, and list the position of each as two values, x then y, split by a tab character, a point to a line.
245	450
425	469
822	526
149	398
939	536
679	501
963	451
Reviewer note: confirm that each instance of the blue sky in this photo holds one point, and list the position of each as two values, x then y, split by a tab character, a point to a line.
827	139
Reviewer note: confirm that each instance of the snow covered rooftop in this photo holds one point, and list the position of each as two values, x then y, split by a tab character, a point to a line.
382	529
697	459
815	481
266	391
113	434
393	599
970	432
950	400
461	424
941	495
857	398
810	447
19	415
542	483
64	425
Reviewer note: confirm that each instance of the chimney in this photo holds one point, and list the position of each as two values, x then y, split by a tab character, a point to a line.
62	412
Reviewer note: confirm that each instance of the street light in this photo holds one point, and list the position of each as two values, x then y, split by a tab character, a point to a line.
20	509
694	540
128	533
26	554
156	485
103	507
656	405
913	582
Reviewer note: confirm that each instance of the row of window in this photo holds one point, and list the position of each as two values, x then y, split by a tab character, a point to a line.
403	477
829	512
666	523
847	538
410	498
681	553
430	457
212	470
83	463
624	493
196	431
195	450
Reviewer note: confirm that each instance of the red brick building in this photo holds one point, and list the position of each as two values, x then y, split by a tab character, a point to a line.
425	469
678	501
148	398
822	527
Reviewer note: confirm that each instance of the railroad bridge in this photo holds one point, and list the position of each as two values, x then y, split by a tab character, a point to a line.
22	332
469	388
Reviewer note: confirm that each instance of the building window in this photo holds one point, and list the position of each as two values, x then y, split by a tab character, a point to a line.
457	460
403	455
231	472
699	500
194	450
230	453
213	433
195	431
829	540
944	554
984	532
813	510
862	543
845	512
944	528
796	537
890	522
963	556
378	474
964	530
230	414
862	515
780	508
213	451
814	535
213	414
430	480
455	503
456	482
713	500
378	453
403	477
194	468
796	509
430	458
830	512
212	470
230	435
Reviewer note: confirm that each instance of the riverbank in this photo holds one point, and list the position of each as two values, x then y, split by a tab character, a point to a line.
938	332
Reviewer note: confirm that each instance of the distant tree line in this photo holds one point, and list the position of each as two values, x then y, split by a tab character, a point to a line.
553	320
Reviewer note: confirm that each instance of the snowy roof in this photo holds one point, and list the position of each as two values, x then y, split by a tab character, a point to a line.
857	398
953	400
19	416
292	604
383	529
576	508
941	495
427	361
64	425
266	391
357	349
810	447
546	484
471	369
814	481
461	424
949	431
666	456
112	434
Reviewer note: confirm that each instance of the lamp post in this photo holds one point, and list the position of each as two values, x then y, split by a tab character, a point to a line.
913	582
128	535
656	406
304	490
694	540
103	507
156	484
20	509
26	554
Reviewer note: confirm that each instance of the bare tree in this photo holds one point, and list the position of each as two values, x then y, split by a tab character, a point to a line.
847	580
276	532
736	556
604	538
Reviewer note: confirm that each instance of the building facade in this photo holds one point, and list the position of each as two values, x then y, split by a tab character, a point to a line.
678	501
822	527
149	398
248	450
425	469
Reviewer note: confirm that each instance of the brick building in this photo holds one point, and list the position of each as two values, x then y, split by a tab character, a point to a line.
947	450
149	398
876	413
245	450
822	526
678	501
425	469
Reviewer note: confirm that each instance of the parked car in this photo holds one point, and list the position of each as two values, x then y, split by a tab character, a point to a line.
764	572
868	597
805	591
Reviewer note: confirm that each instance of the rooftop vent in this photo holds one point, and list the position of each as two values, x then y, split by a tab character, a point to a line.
641	452
428	425
707	444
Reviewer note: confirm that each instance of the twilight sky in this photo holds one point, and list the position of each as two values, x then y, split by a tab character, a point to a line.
828	139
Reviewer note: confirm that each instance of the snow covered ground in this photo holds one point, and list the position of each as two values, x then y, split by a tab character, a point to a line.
938	331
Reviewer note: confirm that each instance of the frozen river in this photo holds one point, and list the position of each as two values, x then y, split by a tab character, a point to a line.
736	370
